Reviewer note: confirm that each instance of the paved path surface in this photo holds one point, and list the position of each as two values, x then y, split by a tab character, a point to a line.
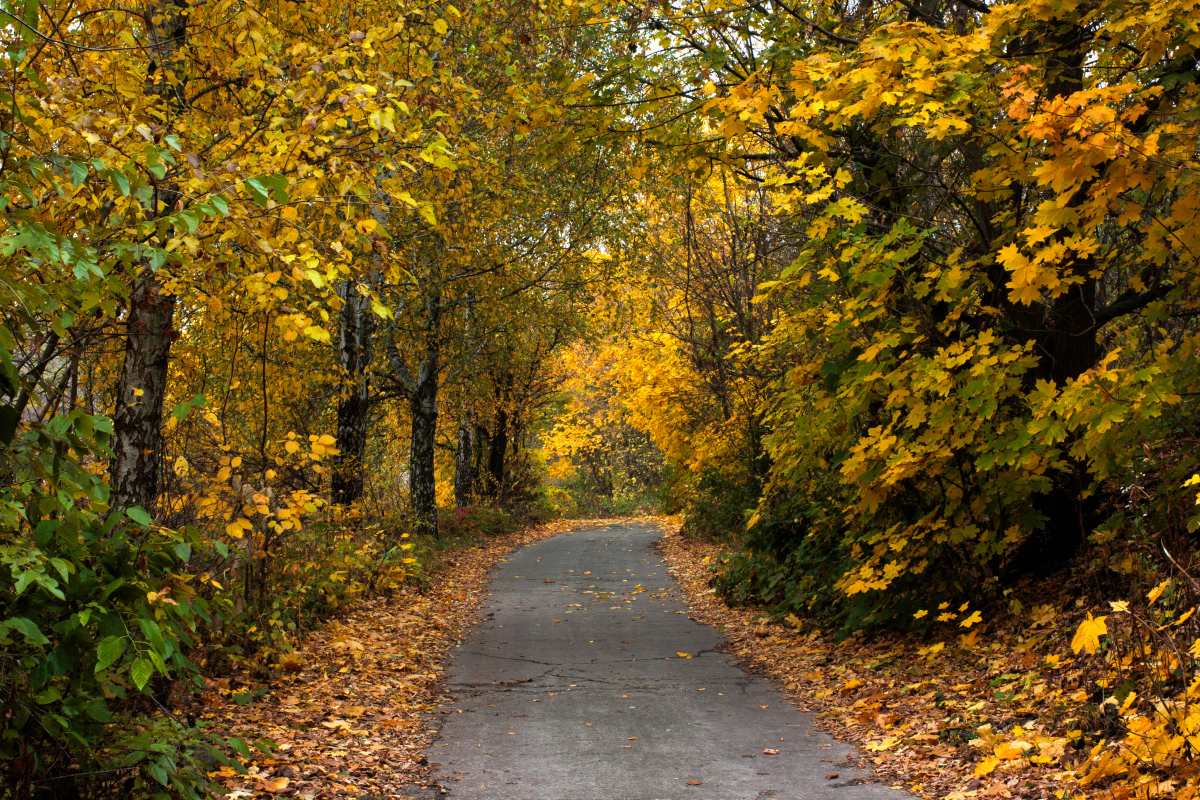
573	688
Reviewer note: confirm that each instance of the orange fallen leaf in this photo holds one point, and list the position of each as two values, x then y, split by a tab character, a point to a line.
695	783
770	752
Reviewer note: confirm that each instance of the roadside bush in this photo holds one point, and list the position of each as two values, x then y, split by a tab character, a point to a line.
96	615
718	507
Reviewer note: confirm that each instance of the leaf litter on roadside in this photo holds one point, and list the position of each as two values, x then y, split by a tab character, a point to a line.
350	714
1011	714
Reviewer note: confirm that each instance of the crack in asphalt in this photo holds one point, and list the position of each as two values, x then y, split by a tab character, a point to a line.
592	662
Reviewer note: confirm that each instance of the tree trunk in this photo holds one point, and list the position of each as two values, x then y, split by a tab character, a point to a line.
355	329
423	404
496	454
1068	338
464	462
422	479
137	423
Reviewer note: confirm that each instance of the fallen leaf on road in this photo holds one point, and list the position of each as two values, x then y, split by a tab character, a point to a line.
548	580
831	776
770	752
695	783
689	655
631	739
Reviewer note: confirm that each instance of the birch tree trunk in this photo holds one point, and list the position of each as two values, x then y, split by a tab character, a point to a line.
422	479
464	462
355	329
149	333
137	423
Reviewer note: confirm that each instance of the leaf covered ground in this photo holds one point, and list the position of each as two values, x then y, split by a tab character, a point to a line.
1030	706
1014	708
350	716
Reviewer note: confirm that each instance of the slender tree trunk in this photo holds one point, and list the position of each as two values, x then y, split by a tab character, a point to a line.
137	423
423	404
422	479
464	453
483	443
464	462
496	454
355	331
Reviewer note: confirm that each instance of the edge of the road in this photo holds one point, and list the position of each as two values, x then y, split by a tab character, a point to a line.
749	636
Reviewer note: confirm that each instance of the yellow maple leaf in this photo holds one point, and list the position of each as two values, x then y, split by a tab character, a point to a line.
986	766
1011	750
1157	591
1089	633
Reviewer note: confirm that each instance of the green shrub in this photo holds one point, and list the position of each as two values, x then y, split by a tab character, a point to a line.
719	506
95	611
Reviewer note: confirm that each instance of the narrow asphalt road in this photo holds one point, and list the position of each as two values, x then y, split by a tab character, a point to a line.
587	681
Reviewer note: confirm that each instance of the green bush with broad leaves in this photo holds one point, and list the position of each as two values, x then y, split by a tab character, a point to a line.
96	614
